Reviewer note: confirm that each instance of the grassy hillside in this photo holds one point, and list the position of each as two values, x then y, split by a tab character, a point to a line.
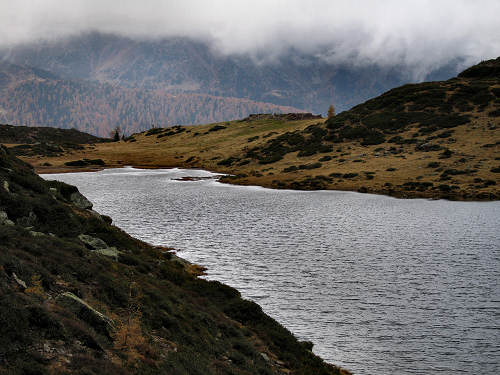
44	141
434	140
32	135
79	296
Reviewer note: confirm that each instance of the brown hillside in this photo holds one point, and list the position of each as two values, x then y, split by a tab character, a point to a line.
34	97
435	140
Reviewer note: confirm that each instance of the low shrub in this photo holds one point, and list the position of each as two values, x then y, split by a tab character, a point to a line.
216	128
310	166
291	168
349	175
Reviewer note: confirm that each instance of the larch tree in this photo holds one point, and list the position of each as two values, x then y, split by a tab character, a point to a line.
331	111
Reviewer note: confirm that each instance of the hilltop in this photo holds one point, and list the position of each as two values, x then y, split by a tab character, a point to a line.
435	140
80	296
30	135
44	141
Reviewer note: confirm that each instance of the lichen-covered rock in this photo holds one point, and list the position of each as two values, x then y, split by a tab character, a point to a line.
111	252
80	201
4	219
87	313
19	282
92	243
99	246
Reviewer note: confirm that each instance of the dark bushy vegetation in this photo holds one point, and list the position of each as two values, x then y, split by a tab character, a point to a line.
154	131
216	128
432	107
84	162
176	322
171	131
47	135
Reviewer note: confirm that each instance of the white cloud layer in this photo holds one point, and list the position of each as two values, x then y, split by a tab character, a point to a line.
421	34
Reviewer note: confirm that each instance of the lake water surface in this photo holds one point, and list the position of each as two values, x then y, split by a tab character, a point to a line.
379	285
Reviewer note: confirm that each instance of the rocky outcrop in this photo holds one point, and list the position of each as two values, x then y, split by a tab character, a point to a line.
19	282
80	201
100	322
4	219
92	243
99	246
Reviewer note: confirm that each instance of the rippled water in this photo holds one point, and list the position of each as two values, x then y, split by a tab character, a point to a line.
380	285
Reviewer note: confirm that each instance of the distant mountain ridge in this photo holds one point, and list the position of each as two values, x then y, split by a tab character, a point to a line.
35	97
181	65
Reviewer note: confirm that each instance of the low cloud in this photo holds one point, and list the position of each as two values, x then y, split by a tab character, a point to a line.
423	35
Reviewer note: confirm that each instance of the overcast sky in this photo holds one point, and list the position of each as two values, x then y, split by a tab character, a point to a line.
423	34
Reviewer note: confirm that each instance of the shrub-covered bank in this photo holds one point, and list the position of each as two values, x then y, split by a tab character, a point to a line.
80	296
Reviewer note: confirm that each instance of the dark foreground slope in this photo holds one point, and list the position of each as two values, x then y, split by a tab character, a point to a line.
77	295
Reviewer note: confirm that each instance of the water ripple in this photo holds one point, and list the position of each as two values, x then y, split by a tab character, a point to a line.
378	284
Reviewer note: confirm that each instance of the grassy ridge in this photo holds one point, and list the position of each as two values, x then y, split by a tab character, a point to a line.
80	296
433	140
44	141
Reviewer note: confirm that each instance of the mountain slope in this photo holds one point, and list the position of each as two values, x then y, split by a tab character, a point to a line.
80	296
30	96
436	139
180	65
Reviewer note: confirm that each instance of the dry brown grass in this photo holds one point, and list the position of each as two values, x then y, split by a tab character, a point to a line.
198	148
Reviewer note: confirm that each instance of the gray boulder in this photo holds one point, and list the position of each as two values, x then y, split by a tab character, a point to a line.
4	219
80	201
111	252
87	313
20	282
93	243
99	246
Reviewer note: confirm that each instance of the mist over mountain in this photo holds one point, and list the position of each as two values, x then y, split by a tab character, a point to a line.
32	96
186	66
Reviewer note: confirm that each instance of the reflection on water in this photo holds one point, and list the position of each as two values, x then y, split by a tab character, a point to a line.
380	285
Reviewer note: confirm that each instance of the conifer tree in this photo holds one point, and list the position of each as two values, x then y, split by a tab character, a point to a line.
331	111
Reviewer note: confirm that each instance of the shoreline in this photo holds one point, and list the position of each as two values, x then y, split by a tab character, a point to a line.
249	181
